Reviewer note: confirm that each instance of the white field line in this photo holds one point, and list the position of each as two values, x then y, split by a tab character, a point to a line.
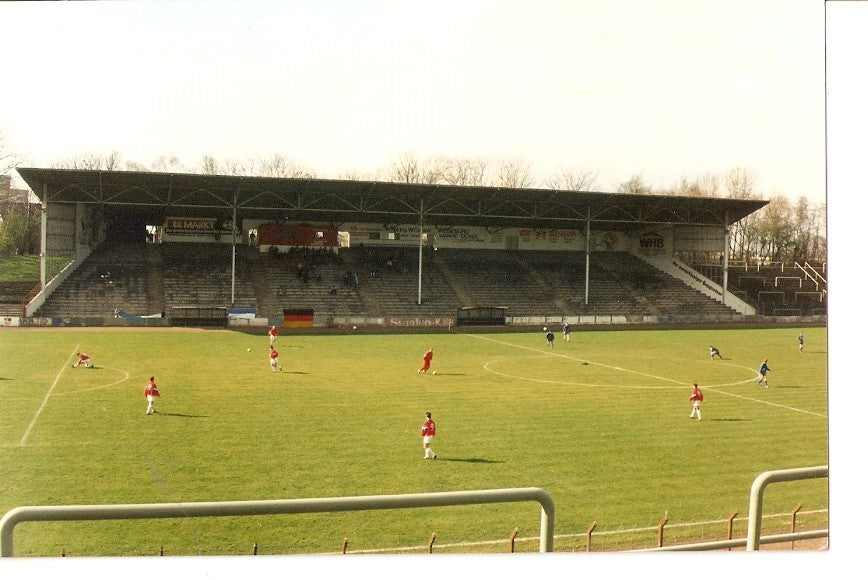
716	388
47	396
105	386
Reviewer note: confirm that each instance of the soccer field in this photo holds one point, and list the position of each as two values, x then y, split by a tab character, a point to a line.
600	422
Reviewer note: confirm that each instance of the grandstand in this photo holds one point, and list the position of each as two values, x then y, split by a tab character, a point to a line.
151	278
385	252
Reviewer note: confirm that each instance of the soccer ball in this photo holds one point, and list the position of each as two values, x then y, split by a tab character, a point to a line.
354	327
433	372
248	350
545	328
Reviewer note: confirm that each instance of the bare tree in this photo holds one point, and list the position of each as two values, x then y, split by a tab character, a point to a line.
572	180
92	161
744	236
355	175
636	184
818	240
112	161
168	163
809	230
9	159
802	230
775	230
135	166
278	166
514	173
239	167
740	183
405	169
465	172
208	165
707	185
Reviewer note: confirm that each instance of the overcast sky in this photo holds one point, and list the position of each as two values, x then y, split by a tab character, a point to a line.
665	89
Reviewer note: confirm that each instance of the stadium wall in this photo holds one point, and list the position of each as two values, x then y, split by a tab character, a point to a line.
664	240
323	323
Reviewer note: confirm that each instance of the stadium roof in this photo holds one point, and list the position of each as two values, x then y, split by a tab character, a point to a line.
345	201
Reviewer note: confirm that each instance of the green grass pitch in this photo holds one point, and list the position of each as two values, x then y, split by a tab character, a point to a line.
610	440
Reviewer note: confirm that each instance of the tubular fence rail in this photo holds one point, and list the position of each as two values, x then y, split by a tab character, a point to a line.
286	506
546	534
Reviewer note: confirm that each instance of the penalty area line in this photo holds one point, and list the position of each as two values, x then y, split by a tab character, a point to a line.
47	396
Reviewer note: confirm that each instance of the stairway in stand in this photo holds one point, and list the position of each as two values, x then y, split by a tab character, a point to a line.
262	287
454	282
154	285
545	287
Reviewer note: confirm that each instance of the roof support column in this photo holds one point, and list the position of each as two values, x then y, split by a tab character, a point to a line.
421	217
725	256
234	241
587	255
43	237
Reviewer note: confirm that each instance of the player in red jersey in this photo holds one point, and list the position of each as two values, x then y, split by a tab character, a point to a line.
274	359
83	360
428	432
272	334
426	360
696	396
151	394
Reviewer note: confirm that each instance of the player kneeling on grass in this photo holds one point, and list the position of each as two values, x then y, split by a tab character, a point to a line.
83	360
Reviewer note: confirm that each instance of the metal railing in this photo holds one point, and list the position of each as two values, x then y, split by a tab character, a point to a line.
285	506
358	503
755	513
754	539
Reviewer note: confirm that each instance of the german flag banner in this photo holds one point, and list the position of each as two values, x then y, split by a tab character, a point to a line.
295	317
